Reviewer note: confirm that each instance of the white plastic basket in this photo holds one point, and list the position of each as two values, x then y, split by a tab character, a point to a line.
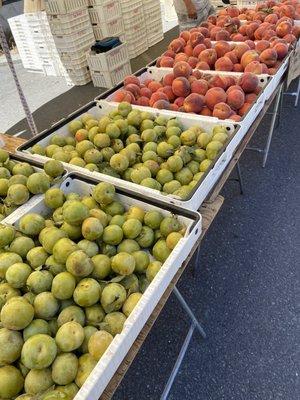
75	42
137	47
128	6
54	7
112	28
134	16
109	60
105	12
65	24
109	79
154	32
109	362
79	79
203	188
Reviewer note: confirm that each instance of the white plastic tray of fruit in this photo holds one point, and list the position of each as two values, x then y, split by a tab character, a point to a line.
201	190
109	362
34	198
158	73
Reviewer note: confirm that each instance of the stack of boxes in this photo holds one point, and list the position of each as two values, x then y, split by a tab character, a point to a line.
35	43
134	26
73	36
106	19
153	19
109	68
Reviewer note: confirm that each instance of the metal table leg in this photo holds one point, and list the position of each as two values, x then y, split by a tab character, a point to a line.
275	112
195	325
296	94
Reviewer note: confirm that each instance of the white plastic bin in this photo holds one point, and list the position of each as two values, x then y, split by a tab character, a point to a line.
109	79
54	7
109	60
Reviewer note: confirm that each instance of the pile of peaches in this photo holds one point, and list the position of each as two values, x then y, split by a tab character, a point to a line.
266	34
193	91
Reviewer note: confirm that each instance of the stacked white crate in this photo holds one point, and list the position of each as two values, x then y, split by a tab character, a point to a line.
134	26
109	68
106	18
73	36
35	43
153	19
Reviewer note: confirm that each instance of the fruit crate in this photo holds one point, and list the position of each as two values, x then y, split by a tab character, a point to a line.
128	6
79	76
154	32
112	28
54	7
65	24
158	73
105	12
108	79
137	47
134	16
152	11
201	190
38	167
109	60
119	347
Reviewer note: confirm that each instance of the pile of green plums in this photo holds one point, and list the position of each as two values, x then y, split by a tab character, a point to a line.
20	180
155	152
68	282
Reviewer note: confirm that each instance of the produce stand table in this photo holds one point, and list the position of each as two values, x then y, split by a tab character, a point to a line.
209	210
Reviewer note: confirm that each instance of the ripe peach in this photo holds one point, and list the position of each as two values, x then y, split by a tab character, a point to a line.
197	50
122	95
235	117
196	38
248	57
192	79
204	30
250	29
248	82
283	28
199	86
281	50
272	71
133	88
179	101
169	92
250	43
269	34
182	68
296	31
188	50
229	81
250	98
203	65
290	38
255	67
174	107
214	31
272	18
238	37
244	109
193	61
240	49
235	98
145	92
233	57
234	87
206	111
176	45
214	96
197	74
209	56
243	30
181	57
222	35
193	103
154	86
169	53
221	48
218	81
131	79
221	111
224	64
167	62
157	96
262	45
181	87
207	43
185	35
237	68
168	79
268	57
143	101
162	105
